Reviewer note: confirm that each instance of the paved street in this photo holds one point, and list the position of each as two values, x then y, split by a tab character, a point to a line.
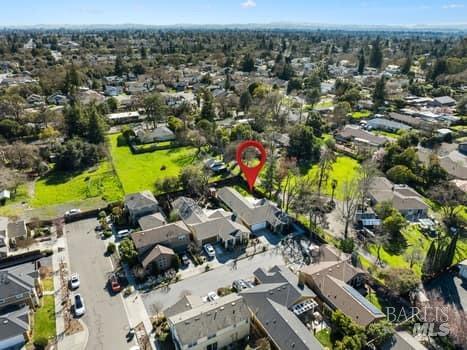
105	314
201	284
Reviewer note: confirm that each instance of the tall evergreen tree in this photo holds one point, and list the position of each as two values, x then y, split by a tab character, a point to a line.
376	55
361	62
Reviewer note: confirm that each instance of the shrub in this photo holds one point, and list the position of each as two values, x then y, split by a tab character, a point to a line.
107	234
111	248
40	343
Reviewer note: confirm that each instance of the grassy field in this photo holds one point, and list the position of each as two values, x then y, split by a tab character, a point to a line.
392	135
345	168
48	284
139	172
361	114
63	187
44	319
13	206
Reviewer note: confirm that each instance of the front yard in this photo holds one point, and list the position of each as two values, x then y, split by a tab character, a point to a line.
139	172
44	319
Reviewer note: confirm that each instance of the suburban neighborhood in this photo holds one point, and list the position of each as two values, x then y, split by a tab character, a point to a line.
127	220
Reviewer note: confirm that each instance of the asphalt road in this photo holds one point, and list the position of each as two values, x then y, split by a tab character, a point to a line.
200	285
105	316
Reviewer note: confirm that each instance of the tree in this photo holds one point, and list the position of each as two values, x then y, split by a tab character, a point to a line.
245	101
12	105
333	189
361	62
340	113
175	124
96	126
197	140
414	256
379	332
128	251
269	179
155	107
462	105
326	162
376	55
450	197
247	64
194	178
312	96
167	184
405	69
303	144
393	224
366	175
401	174
379	94
208	110
119	68
401	280
349	204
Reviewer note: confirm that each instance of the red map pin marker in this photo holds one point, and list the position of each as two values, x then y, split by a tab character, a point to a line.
251	173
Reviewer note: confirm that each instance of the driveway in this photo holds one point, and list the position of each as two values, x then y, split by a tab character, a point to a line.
200	285
105	316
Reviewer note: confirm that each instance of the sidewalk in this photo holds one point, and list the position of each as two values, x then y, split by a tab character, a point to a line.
76	341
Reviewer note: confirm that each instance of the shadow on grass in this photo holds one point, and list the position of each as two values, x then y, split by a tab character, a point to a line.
397	245
56	177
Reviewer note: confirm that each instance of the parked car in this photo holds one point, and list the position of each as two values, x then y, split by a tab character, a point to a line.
115	283
79	305
185	260
72	212
240	285
123	233
209	249
212	296
74	281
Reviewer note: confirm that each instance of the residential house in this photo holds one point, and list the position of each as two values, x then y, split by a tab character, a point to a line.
4	195
333	279
463	269
140	204
276	305
159	134
402	340
256	214
57	99
405	199
175	235
359	137
211	225
214	325
152	221
113	91
463	148
444	101
17	230
18	285
15	328
160	258
406	119
124	117
450	159
386	125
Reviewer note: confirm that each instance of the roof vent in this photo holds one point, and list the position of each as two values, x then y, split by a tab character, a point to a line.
222	308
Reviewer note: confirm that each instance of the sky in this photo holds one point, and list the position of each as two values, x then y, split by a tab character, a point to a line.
163	12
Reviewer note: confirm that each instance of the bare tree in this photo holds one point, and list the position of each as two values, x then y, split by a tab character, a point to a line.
367	173
326	162
348	205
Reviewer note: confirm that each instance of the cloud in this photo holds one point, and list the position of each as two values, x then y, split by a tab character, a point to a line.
453	6
248	4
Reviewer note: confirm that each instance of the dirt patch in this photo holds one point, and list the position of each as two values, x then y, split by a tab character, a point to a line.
74	326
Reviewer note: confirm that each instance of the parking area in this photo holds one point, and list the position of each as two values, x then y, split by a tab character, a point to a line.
200	285
105	315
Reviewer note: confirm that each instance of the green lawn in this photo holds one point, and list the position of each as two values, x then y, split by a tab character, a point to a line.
139	172
392	135
62	187
44	319
345	168
13	206
48	284
324	337
361	114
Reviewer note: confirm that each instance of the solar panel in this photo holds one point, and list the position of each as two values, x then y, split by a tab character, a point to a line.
373	309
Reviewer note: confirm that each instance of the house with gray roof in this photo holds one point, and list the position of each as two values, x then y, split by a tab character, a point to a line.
17	230
159	134
275	305
3	237
359	137
386	124
334	280
444	101
140	204
218	324
404	198
18	285
211	225
402	340
15	328
256	214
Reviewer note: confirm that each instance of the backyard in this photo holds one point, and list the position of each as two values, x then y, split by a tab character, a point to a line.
139	172
62	187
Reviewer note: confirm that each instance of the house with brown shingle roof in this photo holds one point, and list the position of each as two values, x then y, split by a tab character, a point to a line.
160	257
333	279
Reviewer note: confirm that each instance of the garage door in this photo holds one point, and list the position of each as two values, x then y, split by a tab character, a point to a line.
258	226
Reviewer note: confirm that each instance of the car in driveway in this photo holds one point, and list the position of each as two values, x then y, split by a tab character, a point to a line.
74	281
209	249
114	283
240	285
79	307
212	296
185	260
123	233
72	212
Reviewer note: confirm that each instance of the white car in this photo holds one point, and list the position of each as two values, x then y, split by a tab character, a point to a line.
209	249
72	212
74	281
79	305
123	233
212	296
